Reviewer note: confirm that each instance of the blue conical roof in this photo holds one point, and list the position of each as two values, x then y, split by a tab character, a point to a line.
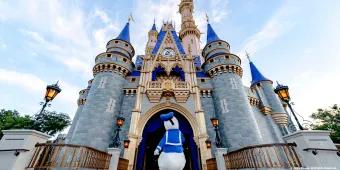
125	34
256	74
211	35
154	27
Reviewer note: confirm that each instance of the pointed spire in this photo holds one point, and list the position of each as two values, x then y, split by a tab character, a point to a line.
211	35
256	75
154	26
125	33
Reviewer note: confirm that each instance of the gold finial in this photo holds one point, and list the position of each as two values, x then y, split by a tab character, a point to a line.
131	18
207	17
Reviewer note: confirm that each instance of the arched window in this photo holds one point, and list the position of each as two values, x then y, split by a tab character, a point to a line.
158	71
178	72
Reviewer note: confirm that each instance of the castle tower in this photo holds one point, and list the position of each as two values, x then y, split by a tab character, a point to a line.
238	125
152	39
81	102
270	103
103	102
189	33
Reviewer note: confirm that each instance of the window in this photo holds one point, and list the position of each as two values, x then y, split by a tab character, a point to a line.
202	80
126	45
211	60
124	59
108	55
116	42
226	57
133	80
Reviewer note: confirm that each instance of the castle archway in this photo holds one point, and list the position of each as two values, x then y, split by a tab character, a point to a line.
152	133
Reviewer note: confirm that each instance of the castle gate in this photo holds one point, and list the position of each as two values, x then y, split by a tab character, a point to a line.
152	134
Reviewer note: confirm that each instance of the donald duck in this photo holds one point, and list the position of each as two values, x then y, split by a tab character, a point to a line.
170	147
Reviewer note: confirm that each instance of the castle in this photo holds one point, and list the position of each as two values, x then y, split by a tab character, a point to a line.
176	74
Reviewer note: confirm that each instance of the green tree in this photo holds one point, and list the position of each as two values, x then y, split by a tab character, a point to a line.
329	119
49	122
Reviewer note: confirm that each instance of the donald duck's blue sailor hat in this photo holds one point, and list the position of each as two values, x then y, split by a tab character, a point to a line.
167	116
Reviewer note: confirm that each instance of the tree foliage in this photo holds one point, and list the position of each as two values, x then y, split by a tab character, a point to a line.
329	119
48	122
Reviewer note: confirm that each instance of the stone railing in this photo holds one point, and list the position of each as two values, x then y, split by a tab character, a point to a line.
168	88
279	155
155	85
48	155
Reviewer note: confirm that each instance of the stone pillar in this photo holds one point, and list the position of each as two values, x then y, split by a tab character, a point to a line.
323	159
17	148
220	159
115	152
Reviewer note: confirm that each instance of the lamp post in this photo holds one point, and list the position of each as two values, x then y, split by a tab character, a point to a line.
51	92
218	140
283	93
116	140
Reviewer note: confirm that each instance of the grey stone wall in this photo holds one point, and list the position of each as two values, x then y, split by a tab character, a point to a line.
99	112
209	112
74	123
237	121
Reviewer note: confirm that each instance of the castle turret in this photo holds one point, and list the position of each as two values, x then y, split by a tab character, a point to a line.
152	39
270	103
103	101
237	121
81	102
189	34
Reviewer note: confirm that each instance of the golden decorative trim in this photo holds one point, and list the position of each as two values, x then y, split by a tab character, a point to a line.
219	69
254	101
173	106
81	102
110	67
280	118
168	88
266	110
82	92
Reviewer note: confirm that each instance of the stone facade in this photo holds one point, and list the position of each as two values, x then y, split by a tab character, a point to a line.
174	75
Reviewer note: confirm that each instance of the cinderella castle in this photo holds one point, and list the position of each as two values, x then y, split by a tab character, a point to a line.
226	125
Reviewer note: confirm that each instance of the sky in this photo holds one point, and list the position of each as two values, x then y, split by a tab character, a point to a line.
41	42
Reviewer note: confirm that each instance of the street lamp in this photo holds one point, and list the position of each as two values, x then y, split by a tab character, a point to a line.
218	141
51	92
283	93
116	140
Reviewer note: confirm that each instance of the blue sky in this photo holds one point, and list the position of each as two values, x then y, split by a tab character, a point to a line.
294	42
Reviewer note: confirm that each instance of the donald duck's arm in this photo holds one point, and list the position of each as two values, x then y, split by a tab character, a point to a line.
161	144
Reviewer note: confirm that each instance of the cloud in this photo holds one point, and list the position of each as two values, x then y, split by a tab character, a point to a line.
275	27
35	84
28	81
64	31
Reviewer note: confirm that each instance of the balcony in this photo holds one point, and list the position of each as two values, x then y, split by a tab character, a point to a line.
168	88
280	155
68	156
